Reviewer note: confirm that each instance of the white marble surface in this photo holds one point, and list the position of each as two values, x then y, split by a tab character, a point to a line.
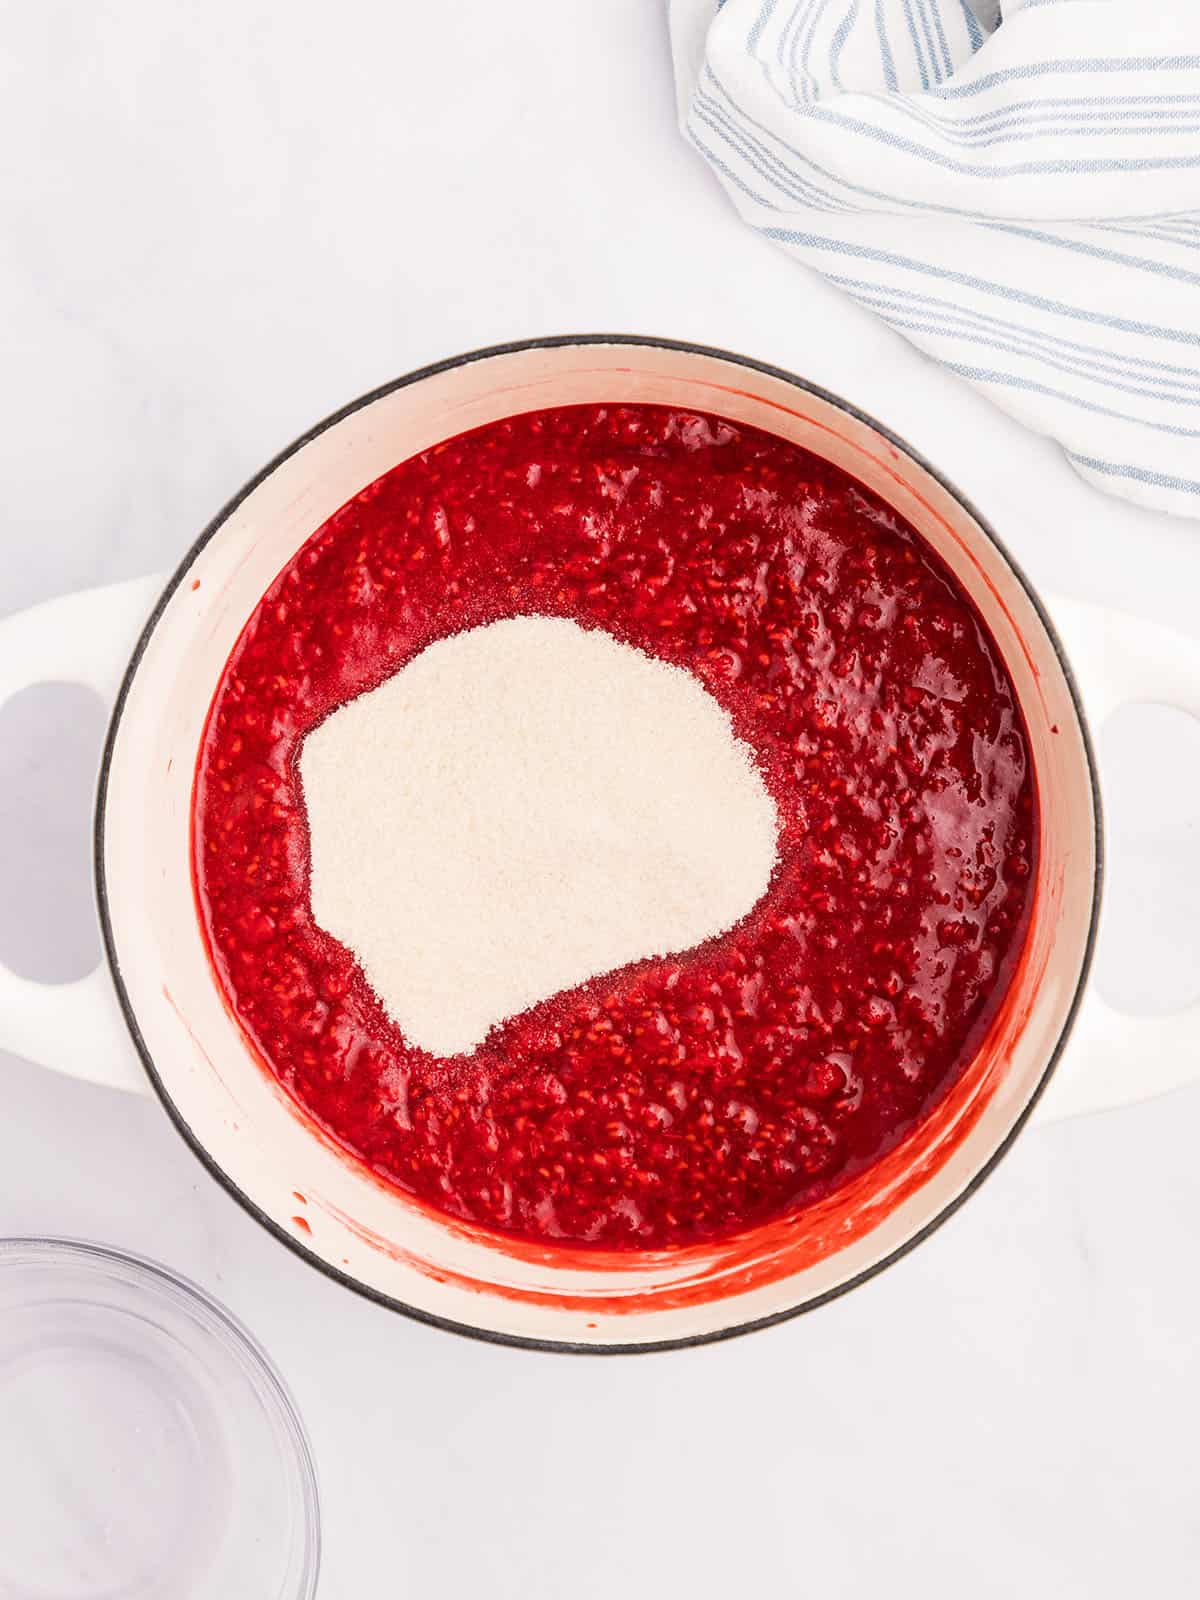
225	220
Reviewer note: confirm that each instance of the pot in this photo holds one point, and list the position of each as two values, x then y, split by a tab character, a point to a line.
159	988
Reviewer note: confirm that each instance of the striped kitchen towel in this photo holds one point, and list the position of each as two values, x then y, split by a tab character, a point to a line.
1018	194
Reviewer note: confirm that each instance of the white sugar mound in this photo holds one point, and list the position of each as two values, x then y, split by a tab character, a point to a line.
523	807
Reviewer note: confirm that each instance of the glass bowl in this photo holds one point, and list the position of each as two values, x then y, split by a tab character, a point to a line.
148	1448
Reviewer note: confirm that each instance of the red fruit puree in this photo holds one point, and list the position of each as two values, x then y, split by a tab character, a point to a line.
677	1099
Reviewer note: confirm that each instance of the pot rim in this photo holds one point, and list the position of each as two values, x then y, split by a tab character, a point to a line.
197	1146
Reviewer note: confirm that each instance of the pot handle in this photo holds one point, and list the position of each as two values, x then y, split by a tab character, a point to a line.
1114	1058
85	638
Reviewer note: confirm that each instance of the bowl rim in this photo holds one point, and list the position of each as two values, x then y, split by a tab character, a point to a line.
197	1146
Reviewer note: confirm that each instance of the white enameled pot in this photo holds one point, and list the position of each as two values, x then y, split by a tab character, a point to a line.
159	987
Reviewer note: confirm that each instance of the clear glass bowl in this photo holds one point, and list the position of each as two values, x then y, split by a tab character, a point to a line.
148	1448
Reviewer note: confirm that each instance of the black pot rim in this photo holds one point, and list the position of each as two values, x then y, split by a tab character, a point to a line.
487	1335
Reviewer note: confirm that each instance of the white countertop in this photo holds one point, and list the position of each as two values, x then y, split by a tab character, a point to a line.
231	218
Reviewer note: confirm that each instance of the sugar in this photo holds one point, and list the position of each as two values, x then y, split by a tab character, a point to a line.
523	807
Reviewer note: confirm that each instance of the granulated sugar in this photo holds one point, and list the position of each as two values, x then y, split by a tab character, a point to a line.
523	807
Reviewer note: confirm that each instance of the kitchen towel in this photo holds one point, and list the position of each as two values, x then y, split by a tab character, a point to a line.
1017	191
